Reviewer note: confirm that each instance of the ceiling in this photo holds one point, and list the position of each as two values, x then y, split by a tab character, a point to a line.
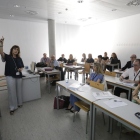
67	11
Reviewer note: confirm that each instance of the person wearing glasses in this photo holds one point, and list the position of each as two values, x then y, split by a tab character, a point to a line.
13	73
133	74
129	64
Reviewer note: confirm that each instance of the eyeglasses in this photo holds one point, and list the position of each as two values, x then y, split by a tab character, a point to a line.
135	65
132	57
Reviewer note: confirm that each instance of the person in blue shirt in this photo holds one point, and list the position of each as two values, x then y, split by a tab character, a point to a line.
97	76
13	73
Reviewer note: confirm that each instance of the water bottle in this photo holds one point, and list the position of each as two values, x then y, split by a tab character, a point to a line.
67	80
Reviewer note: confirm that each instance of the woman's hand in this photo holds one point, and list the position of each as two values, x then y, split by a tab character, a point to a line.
2	40
20	69
121	78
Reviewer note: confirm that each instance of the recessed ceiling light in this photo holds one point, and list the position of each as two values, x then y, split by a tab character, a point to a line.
66	9
133	3
59	13
16	6
80	1
30	12
89	17
114	9
11	15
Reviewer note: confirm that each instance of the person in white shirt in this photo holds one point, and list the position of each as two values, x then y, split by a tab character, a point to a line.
133	74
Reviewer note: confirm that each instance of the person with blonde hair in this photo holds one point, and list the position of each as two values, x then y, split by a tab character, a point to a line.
84	58
70	60
105	58
96	76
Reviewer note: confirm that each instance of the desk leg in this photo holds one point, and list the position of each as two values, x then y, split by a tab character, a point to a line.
75	74
129	94
93	122
112	68
68	75
49	82
111	125
108	124
83	76
118	65
57	93
60	76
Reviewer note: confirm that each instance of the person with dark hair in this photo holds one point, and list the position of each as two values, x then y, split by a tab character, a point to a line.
129	64
105	58
13	73
101	61
133	74
62	59
113	60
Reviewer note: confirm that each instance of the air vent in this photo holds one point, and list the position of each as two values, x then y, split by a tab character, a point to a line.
31	12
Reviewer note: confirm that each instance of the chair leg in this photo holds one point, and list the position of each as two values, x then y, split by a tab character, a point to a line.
103	118
74	115
0	113
87	121
120	130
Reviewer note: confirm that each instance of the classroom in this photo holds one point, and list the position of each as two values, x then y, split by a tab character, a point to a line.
69	69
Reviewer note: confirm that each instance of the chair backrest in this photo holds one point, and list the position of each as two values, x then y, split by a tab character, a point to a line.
74	63
110	73
119	64
61	65
97	85
87	67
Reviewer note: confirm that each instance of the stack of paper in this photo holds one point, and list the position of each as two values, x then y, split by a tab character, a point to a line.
115	103
126	84
74	86
102	95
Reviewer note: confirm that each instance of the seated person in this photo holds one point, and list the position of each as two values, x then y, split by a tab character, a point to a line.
45	59
97	76
101	61
136	100
84	58
90	59
70	61
53	63
133	74
105	58
113	60
129	64
62	59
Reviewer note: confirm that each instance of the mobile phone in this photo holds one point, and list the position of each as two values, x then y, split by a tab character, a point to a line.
1	45
137	114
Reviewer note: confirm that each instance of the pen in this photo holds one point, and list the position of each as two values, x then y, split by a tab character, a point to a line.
117	101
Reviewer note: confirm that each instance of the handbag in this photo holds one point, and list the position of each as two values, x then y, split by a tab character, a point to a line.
61	103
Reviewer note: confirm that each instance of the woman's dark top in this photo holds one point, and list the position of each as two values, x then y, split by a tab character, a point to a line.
62	59
114	60
10	66
105	58
83	59
70	61
90	60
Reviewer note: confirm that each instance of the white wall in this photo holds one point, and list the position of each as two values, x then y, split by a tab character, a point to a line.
32	37
121	36
68	40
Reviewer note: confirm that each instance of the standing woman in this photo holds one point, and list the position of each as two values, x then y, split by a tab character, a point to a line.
13	69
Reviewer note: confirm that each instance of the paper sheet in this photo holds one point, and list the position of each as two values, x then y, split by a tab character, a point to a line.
74	86
103	95
115	103
126	84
